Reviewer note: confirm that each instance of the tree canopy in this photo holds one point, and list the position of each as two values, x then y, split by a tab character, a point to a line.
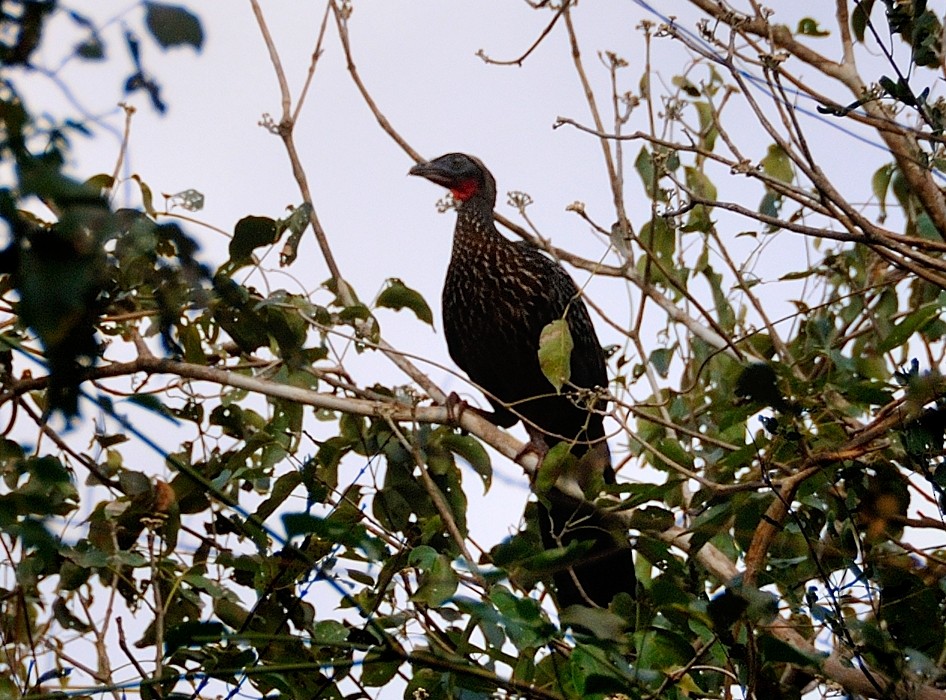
309	536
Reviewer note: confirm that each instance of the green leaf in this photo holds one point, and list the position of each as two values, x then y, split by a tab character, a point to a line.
859	18
398	295
152	403
134	482
132	559
925	228
329	632
92	49
905	599
522	618
102	181
192	633
66	619
660	360
700	184
650	176
555	463
604	624
470	449
173	25
438	581
774	650
298	524
662	649
279	494
809	27
684	84
147	199
925	37
296	223
708	130
555	353
378	668
355	312
422	557
880	183
799	275
913	323
770	204
335	530
251	232
710	523
596	675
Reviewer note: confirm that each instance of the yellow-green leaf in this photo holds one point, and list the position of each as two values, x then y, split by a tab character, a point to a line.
555	352
147	199
556	462
777	164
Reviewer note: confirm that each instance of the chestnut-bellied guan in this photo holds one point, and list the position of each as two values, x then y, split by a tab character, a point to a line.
497	298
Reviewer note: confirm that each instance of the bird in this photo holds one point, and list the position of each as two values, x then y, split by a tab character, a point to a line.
498	296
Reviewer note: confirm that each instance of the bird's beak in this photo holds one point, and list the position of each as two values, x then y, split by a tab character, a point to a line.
432	172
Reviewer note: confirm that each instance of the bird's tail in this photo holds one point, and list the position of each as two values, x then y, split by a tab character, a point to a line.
606	566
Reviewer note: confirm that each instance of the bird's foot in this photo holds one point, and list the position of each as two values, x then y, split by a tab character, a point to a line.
456	407
536	446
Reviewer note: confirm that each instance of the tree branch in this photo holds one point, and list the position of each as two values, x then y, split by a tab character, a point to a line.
863	681
904	147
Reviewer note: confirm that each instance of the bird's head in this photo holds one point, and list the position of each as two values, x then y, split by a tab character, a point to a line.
465	176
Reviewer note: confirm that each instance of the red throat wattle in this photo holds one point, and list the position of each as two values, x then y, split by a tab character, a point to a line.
464	190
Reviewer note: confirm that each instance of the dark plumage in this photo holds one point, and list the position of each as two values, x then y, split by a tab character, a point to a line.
497	298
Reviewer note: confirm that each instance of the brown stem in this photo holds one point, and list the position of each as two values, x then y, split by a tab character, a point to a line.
521	59
285	131
613	178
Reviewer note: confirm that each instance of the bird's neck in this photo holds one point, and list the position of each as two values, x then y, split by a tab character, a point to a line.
475	228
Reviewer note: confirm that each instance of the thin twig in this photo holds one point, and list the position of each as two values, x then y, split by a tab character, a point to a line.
285	131
123	149
519	61
616	192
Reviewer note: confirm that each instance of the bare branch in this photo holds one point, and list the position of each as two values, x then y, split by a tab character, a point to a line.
904	147
528	52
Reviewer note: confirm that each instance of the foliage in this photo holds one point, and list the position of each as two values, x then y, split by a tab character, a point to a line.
791	459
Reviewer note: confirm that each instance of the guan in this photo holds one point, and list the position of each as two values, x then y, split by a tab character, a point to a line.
497	298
